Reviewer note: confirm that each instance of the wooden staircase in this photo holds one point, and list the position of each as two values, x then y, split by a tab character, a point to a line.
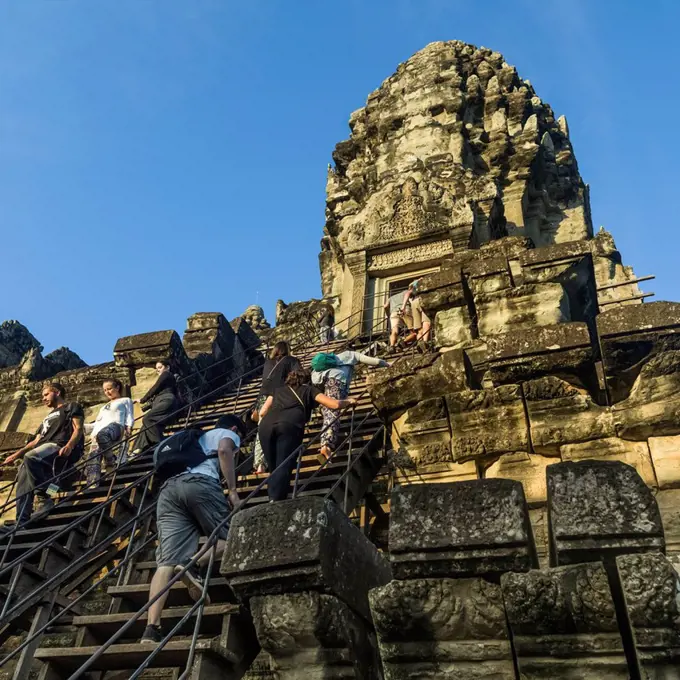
226	637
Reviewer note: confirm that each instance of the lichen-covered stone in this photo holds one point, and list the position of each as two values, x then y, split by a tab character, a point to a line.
460	529
559	414
487	423
442	628
600	508
651	592
299	545
564	624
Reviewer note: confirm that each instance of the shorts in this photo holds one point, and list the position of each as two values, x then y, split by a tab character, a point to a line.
419	315
400	322
189	506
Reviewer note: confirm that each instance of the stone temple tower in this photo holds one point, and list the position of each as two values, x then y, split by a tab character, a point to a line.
452	151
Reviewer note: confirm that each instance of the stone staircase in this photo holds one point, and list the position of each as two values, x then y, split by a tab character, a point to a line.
96	515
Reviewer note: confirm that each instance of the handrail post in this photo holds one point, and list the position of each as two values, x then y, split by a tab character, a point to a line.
349	459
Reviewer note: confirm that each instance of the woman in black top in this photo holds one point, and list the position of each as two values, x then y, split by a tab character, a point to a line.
282	428
165	402
276	369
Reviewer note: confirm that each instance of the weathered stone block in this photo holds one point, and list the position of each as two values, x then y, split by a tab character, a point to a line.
635	454
442	290
526	468
208	333
665	452
314	635
669	509
541	304
415	379
560	414
653	407
539	528
631	333
145	349
299	545
650	590
460	529
453	327
600	508
442	628
489	275
487	423
563	624
518	355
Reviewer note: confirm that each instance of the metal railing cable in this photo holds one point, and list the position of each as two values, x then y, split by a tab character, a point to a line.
101	508
100	453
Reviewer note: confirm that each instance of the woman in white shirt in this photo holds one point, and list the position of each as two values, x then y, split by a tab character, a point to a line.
113	422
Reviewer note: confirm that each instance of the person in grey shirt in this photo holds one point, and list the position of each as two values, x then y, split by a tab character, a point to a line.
400	316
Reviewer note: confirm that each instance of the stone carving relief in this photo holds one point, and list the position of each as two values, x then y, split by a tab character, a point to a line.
418	253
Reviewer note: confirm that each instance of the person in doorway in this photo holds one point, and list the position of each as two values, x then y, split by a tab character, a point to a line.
276	369
421	321
399	315
282	428
114	421
335	382
190	505
164	399
326	323
60	435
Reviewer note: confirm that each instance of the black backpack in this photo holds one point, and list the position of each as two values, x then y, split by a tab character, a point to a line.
177	453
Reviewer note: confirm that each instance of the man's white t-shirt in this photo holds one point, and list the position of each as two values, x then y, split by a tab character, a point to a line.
209	442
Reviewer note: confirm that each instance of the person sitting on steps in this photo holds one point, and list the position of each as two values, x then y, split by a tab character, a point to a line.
282	428
190	505
399	315
421	321
165	402
114	421
333	373
59	436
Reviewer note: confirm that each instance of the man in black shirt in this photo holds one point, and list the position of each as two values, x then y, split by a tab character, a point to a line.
60	434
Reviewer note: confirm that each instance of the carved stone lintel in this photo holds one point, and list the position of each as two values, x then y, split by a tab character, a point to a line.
423	252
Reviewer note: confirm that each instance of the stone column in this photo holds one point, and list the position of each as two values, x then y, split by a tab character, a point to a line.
356	262
305	571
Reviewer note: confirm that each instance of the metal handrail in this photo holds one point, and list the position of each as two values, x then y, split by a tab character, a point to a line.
14	502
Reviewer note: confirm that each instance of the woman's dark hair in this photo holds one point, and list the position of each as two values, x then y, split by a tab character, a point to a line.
58	388
116	383
281	349
164	362
298	376
229	421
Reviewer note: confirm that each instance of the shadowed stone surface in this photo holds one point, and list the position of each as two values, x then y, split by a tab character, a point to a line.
312	635
563	623
460	529
600	508
442	628
299	545
651	589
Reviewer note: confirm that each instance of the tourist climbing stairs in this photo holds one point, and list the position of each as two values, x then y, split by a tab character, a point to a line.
100	529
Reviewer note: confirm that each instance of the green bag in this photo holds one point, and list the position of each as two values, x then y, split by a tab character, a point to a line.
323	361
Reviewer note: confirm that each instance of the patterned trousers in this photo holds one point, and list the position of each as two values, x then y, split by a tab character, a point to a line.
336	389
104	441
258	453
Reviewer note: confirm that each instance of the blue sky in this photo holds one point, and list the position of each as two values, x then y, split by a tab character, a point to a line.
163	157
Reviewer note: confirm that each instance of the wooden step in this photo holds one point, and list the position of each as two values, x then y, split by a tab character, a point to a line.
130	656
138	594
103	626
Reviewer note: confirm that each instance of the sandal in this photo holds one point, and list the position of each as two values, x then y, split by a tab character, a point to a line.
324	455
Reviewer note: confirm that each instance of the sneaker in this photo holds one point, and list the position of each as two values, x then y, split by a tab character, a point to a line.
152	634
194	583
43	507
